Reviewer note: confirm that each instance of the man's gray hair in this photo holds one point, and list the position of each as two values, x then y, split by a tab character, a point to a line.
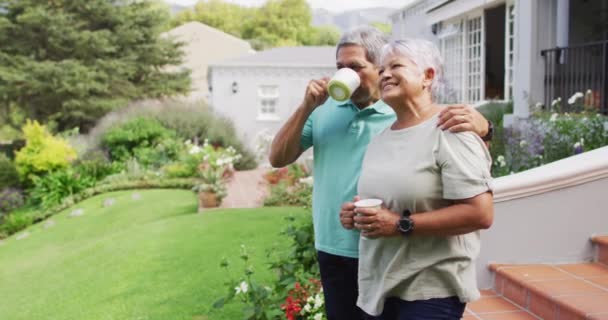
370	38
425	55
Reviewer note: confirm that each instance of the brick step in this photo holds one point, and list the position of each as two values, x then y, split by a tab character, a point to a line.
555	292
601	242
493	306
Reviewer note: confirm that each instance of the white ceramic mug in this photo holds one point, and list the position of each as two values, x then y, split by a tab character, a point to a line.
342	85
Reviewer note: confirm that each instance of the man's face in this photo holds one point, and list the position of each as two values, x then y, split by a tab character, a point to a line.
353	57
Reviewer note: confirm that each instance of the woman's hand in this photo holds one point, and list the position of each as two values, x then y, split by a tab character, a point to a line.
459	118
375	223
347	214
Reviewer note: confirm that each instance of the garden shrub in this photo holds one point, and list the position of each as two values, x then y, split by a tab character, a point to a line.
10	200
548	137
97	169
9	177
16	222
42	153
123	141
282	194
193	121
53	188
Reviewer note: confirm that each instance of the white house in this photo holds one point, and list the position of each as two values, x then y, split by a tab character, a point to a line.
204	45
259	92
527	51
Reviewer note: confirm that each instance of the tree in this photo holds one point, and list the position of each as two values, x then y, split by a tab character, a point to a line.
281	22
228	17
72	61
384	27
325	36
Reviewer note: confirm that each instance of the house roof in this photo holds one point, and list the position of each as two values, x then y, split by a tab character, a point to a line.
196	31
287	57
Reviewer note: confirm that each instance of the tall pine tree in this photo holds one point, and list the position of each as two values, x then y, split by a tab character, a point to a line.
72	61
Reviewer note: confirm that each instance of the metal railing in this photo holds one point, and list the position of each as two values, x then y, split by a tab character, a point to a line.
580	68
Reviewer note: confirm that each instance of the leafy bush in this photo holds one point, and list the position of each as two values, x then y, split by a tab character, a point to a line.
296	284
548	137
282	194
190	121
16	222
495	112
52	189
10	199
97	169
42	152
9	177
126	140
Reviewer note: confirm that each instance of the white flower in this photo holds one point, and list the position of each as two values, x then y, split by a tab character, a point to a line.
556	101
501	161
195	150
575	97
243	287
318	301
318	316
307	181
523	143
553	117
307	308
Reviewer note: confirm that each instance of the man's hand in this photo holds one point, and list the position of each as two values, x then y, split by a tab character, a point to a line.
375	223
459	118
347	214
316	93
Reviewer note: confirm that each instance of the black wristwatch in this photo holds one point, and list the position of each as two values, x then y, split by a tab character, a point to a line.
490	134
405	225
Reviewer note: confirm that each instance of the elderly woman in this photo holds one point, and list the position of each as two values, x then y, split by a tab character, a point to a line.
417	252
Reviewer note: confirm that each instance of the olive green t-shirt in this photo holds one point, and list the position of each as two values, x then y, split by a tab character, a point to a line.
420	168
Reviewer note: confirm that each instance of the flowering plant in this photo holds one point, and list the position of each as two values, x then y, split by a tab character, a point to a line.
548	137
215	158
305	302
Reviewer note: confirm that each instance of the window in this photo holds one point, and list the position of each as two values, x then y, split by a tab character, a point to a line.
510	27
474	56
269	97
451	46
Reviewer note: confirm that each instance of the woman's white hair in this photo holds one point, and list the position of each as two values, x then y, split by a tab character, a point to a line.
425	55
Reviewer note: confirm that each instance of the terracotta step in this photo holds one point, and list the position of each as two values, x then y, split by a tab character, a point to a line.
556	292
492	306
601	243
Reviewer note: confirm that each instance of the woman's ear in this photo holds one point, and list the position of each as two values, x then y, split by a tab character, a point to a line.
429	76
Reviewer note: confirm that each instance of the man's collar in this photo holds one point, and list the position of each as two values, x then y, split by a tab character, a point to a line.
378	107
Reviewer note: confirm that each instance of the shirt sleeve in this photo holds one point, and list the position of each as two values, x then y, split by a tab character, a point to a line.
306	139
465	165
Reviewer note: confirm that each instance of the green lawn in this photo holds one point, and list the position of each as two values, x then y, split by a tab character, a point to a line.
152	258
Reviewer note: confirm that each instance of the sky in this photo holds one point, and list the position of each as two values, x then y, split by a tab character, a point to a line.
331	5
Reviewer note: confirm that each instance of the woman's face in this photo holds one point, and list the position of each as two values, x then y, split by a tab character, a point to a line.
401	78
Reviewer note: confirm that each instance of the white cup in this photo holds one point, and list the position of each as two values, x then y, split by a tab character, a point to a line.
342	85
369	203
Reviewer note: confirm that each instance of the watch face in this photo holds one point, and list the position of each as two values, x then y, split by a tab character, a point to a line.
405	225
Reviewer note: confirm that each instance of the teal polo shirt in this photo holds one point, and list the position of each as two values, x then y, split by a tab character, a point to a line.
339	134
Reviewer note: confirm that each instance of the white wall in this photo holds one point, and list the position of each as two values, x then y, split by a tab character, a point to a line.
547	214
243	107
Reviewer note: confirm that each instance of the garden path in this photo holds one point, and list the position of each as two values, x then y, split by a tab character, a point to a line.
247	189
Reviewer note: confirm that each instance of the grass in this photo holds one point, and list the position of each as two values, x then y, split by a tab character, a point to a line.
152	258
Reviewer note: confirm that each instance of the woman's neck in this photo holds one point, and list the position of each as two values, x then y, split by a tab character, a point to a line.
411	112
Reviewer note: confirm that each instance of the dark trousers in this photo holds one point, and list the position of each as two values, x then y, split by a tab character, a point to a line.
340	288
432	309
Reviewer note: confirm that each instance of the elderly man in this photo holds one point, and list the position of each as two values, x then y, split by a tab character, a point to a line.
339	134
